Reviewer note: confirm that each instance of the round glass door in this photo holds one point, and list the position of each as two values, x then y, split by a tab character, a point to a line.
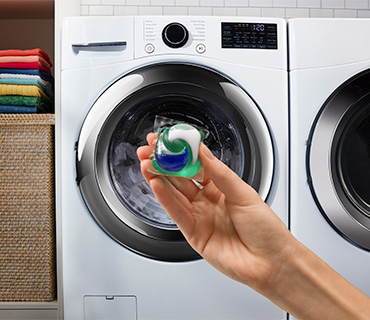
224	141
118	123
353	160
339	160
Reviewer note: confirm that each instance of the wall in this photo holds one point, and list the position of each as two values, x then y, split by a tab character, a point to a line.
264	8
28	34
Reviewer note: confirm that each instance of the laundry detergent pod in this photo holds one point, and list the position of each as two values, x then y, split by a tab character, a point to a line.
176	150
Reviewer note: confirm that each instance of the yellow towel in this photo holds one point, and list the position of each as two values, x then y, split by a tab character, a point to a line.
22	90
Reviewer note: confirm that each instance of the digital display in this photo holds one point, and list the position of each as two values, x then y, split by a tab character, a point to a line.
249	35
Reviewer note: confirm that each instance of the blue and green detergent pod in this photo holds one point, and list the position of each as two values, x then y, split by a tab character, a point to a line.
176	150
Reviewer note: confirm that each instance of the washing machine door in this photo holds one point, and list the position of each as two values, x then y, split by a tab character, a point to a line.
339	160
108	170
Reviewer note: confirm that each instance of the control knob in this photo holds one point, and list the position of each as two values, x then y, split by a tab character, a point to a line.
175	35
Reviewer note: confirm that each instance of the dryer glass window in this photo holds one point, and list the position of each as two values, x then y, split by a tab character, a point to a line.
354	160
223	140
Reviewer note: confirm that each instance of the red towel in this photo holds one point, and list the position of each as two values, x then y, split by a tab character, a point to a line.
39	59
24	65
31	52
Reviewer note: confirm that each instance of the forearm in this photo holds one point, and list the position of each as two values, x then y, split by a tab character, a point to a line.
308	288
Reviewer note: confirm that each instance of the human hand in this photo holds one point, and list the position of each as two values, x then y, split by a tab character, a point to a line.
225	221
230	226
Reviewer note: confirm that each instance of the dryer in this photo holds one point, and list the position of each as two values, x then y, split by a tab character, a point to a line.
122	256
330	142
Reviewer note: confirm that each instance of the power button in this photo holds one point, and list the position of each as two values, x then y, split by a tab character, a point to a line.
149	48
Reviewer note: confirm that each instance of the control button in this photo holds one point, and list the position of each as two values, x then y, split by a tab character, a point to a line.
175	35
149	48
201	48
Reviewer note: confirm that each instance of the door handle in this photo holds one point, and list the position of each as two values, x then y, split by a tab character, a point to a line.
100	46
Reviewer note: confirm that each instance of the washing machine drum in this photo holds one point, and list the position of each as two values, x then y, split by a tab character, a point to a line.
339	160
108	170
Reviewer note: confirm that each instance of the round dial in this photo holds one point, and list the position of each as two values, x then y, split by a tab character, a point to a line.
175	35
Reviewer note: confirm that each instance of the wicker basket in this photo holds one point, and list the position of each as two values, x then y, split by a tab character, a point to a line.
27	215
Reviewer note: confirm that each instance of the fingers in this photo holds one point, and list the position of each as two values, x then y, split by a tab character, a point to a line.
184	189
146	152
173	193
172	199
173	202
226	180
151	138
147	169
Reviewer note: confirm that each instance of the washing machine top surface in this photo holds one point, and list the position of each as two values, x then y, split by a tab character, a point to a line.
258	42
310	42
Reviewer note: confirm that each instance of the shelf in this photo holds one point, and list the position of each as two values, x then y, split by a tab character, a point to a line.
52	305
29	310
26	9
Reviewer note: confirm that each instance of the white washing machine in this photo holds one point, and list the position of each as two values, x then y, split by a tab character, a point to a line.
330	142
122	257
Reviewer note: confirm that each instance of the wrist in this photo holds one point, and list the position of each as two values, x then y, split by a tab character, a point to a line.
308	288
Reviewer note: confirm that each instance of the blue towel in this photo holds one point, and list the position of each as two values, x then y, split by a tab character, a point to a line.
17	109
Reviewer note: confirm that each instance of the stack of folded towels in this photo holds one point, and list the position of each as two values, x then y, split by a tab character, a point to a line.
26	82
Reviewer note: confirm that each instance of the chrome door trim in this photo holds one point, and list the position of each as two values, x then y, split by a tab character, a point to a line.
92	171
321	164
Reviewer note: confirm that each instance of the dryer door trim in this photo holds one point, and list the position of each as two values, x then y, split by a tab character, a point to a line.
325	159
126	101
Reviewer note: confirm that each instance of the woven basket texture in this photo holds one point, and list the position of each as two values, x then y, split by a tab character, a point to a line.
27	214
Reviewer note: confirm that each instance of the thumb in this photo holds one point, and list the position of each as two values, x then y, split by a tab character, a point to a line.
226	180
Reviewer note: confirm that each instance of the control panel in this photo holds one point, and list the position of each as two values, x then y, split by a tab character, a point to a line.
161	35
232	39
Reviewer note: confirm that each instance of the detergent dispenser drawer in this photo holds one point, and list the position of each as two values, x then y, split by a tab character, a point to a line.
101	307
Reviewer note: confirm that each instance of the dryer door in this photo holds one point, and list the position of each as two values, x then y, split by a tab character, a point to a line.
108	170
339	160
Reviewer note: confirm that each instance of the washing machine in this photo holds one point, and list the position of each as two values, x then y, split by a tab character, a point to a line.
122	256
330	142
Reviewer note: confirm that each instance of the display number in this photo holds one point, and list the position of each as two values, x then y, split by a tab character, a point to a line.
258	27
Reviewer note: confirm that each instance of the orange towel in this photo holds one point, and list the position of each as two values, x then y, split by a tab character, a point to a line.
31	52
